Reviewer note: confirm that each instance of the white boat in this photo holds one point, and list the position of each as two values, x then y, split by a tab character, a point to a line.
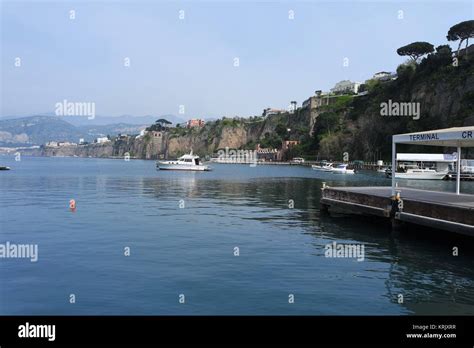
326	167
416	173
421	174
423	166
342	169
186	162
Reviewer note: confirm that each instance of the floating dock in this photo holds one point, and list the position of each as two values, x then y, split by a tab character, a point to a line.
441	210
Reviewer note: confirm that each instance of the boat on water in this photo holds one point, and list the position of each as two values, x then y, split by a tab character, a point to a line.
186	162
416	173
342	169
323	166
4	168
423	166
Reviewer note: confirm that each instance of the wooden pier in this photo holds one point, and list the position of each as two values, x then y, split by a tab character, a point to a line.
440	210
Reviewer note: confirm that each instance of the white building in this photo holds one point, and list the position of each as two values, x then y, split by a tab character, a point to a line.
384	76
66	143
102	140
346	86
272	111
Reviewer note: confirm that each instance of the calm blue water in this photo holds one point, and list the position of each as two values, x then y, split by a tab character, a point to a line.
190	250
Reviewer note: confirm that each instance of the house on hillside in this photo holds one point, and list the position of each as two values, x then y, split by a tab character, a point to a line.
272	111
384	76
346	86
195	122
102	140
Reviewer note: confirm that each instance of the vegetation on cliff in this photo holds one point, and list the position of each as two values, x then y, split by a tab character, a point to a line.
440	84
443	87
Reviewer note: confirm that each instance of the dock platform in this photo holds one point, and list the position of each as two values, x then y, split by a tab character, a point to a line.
441	210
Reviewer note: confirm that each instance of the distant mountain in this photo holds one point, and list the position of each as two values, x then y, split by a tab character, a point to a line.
109	120
38	130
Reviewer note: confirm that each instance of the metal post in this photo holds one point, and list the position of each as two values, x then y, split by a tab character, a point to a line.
394	164
458	169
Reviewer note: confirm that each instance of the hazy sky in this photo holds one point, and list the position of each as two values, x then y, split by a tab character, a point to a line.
190	61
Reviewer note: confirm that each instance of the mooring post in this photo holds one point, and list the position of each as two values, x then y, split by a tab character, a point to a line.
397	207
324	208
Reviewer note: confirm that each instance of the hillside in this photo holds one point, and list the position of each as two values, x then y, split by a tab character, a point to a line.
38	130
445	94
350	123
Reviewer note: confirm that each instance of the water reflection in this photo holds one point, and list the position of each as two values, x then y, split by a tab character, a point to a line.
271	213
421	268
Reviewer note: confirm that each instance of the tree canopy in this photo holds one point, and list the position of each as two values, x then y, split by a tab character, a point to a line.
163	121
416	49
461	31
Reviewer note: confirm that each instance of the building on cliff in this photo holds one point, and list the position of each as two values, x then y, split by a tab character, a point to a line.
384	76
156	134
346	86
271	111
102	140
313	103
286	145
195	122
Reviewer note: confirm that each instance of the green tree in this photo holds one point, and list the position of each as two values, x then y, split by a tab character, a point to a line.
461	31
415	50
281	130
162	122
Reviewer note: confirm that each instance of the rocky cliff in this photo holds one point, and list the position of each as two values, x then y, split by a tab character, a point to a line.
352	124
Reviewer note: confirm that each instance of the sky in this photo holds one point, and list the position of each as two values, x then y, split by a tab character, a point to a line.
189	64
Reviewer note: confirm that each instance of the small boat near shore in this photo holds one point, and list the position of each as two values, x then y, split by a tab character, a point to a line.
4	168
188	162
342	169
324	166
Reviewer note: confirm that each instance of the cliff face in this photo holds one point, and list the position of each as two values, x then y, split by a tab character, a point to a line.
443	100
232	133
145	148
351	124
446	98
